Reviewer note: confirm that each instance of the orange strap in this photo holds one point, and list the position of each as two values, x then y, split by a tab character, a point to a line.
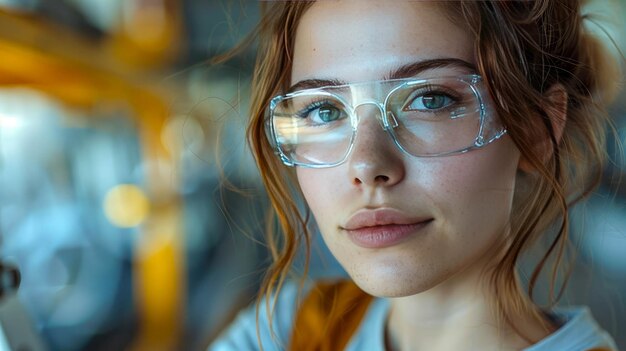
328	316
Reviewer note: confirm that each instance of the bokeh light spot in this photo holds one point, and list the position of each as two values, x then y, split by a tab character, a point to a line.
126	205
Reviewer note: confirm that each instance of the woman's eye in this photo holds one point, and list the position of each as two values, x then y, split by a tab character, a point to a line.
322	113
328	113
430	102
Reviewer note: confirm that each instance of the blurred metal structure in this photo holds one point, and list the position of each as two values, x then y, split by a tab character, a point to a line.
16	329
9	279
84	74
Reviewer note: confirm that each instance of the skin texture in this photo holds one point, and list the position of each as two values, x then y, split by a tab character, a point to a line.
433	277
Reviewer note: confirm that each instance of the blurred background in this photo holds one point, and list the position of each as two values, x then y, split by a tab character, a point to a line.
128	199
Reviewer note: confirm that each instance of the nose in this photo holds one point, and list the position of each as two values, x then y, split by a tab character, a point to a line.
375	161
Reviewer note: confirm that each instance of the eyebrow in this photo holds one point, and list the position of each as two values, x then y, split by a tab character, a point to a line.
405	71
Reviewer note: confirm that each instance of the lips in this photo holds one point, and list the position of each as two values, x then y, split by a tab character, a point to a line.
383	227
380	217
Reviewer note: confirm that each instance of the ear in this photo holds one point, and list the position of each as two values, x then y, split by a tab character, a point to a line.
555	106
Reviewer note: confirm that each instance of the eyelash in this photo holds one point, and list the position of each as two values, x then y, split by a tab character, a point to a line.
430	89
303	113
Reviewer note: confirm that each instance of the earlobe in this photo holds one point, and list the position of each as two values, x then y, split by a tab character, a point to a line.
555	108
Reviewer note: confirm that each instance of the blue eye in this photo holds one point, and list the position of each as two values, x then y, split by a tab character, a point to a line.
321	112
328	113
431	101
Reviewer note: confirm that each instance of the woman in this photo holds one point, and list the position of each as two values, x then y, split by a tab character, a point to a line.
433	142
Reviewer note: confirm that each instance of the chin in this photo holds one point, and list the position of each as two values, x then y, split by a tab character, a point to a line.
395	281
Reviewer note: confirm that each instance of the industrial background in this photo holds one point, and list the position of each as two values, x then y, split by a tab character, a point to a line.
129	201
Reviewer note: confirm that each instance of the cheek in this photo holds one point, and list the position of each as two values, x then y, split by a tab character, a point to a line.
320	188
474	192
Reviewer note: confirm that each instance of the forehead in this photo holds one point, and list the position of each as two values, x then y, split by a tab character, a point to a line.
360	40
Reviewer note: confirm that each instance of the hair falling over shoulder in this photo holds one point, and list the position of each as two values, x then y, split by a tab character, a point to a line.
531	52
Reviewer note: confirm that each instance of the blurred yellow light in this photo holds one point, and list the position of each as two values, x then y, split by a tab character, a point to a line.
126	205
183	133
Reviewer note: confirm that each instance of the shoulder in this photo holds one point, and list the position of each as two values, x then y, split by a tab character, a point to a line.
326	317
330	315
242	333
578	331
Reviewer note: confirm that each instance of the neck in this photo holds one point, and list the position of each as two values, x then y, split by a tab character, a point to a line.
461	311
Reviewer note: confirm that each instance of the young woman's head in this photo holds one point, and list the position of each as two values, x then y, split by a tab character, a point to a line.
433	142
399	224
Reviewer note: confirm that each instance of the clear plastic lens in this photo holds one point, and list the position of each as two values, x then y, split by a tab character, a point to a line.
313	128
429	117
434	118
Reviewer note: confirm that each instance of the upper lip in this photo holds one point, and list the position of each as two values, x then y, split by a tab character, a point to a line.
381	216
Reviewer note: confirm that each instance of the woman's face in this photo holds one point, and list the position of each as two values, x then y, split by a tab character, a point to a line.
399	224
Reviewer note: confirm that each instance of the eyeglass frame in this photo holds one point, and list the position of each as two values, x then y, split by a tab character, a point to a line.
479	141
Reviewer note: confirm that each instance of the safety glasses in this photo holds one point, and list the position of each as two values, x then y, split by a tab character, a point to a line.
430	117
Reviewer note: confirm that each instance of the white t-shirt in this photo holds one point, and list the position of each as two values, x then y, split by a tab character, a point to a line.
578	331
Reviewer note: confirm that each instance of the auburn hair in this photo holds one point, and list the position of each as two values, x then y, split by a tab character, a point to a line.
523	49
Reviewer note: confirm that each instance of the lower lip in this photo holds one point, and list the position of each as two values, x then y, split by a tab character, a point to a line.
384	235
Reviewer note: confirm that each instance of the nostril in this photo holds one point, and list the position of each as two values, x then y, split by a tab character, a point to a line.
381	179
377	180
